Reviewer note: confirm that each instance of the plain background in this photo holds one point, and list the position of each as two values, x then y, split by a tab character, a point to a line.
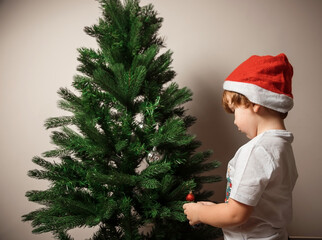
209	38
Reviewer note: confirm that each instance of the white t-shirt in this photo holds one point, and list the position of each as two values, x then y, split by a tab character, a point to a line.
263	174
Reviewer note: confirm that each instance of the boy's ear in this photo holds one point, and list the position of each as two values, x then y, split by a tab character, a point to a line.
256	108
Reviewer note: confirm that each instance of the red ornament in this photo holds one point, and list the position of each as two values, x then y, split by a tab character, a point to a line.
190	197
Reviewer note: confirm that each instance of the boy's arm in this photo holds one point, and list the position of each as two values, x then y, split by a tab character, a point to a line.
220	215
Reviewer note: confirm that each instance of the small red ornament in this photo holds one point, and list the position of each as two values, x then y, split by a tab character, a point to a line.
190	197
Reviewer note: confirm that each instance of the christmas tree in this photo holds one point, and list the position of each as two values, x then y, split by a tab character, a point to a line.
123	157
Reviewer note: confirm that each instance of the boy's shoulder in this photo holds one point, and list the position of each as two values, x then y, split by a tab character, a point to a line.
273	136
270	140
272	143
269	143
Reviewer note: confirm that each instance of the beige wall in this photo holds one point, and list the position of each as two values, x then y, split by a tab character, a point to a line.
38	41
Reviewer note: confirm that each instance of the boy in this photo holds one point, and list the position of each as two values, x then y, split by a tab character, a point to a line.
262	174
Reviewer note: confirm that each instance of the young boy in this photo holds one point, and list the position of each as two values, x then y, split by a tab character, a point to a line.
262	174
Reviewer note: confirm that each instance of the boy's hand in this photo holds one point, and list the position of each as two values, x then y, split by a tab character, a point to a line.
219	215
207	203
192	212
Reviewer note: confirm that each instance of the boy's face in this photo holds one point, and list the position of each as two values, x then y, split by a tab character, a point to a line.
246	121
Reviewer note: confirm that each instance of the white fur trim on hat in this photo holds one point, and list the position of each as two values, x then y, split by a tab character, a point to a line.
261	96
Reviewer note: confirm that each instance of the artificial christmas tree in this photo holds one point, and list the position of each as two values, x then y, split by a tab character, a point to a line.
123	158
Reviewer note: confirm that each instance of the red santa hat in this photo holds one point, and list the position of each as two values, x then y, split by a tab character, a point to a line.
264	80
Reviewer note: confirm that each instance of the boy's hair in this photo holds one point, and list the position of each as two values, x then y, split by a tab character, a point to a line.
233	99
